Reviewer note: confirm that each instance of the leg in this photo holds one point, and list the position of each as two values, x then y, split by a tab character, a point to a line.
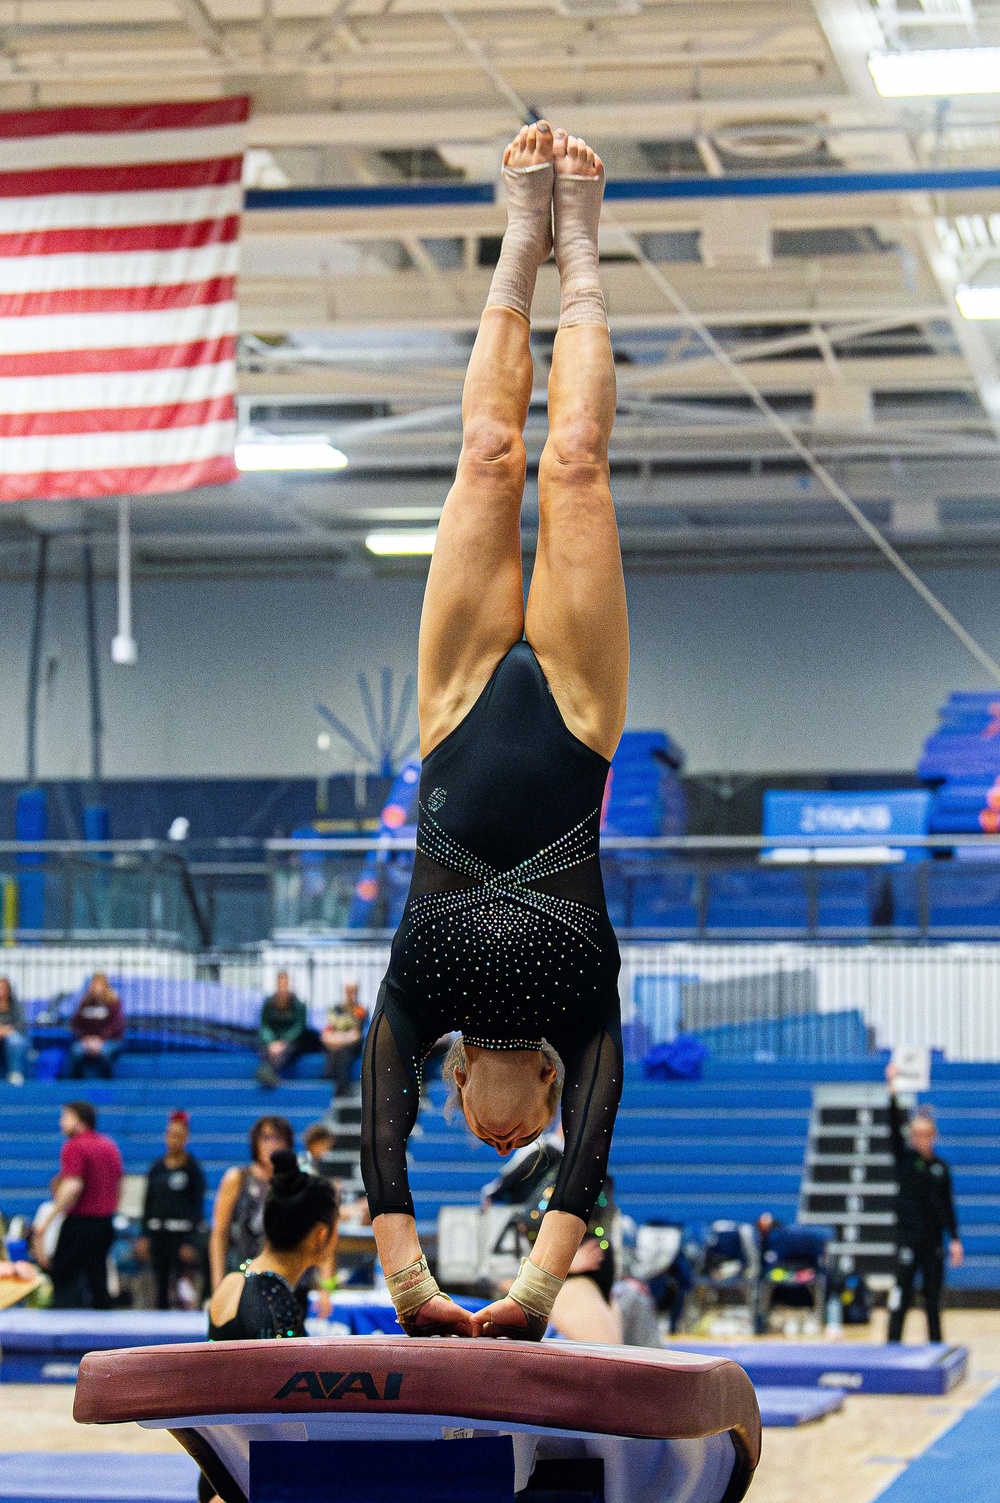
17	1049
932	1273
901	1293
99	1240
77	1061
65	1267
577	621
474	602
160	1255
339	1062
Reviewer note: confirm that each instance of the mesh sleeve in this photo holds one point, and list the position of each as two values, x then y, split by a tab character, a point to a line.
591	1092
390	1103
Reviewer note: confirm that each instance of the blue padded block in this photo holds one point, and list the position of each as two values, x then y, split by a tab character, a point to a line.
960	1466
373	1471
97	1477
784	1407
859	1367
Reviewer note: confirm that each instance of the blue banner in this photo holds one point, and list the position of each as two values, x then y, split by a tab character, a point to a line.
873	817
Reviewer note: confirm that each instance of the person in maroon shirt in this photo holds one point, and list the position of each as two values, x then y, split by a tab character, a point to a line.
99	1026
90	1172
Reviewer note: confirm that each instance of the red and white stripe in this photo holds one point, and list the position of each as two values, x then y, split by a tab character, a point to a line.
119	246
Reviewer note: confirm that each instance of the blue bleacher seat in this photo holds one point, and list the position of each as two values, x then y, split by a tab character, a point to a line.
843	898
751	898
965	897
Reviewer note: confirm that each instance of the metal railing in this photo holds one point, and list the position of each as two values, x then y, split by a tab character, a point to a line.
688	887
132	891
707	888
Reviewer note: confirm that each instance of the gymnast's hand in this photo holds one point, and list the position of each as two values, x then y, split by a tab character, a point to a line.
440	1316
506	1319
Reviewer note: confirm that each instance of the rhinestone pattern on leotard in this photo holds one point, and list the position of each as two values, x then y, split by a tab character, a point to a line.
501	937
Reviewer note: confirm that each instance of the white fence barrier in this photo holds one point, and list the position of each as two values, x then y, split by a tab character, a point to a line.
822	1000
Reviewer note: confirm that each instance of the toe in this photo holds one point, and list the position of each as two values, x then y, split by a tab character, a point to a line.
531	138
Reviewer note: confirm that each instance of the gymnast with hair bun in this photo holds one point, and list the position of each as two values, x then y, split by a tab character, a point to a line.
505	937
300	1224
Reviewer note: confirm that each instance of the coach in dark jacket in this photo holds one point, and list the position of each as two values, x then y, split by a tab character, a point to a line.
925	1211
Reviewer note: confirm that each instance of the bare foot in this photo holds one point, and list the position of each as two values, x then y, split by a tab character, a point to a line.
531	147
574	158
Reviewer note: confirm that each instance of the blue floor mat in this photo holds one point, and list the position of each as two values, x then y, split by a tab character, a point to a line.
784	1407
858	1367
961	1466
97	1477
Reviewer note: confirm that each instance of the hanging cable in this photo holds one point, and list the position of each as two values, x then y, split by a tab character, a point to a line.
794	442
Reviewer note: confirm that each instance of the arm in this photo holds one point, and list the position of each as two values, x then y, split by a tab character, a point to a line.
146	1212
897	1117
222	1219
197	1188
391	1101
114	1030
300	1019
265	1032
956	1252
66	1196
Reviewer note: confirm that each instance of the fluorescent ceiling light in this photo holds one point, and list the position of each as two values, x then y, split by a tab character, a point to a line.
978	302
289	454
402	541
951	70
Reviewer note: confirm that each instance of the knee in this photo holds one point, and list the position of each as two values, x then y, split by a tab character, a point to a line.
578	442
489	441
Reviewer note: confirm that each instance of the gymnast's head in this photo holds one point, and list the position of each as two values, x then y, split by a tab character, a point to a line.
507	1096
300	1212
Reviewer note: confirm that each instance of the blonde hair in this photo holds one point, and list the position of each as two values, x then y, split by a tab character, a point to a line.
455	1060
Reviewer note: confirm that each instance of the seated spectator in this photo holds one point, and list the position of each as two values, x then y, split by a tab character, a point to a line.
13	1035
173	1213
342	1037
99	1026
284	1032
90	1173
318	1142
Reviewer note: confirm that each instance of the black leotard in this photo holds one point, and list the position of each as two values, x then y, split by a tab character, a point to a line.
505	934
268	1307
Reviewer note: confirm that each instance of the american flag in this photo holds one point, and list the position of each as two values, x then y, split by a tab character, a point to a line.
118	257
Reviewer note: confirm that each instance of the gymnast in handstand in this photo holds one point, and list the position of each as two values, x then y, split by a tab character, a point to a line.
505	936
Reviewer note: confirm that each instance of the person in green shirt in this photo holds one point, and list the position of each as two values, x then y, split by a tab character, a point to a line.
284	1032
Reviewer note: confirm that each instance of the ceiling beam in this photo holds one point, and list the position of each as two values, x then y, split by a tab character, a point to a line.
199	19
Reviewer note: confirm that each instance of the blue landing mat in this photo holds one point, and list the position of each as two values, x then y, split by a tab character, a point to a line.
784	1407
45	1346
96	1477
961	1466
858	1367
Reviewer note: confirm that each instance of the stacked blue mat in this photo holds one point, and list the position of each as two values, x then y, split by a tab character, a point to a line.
963	757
